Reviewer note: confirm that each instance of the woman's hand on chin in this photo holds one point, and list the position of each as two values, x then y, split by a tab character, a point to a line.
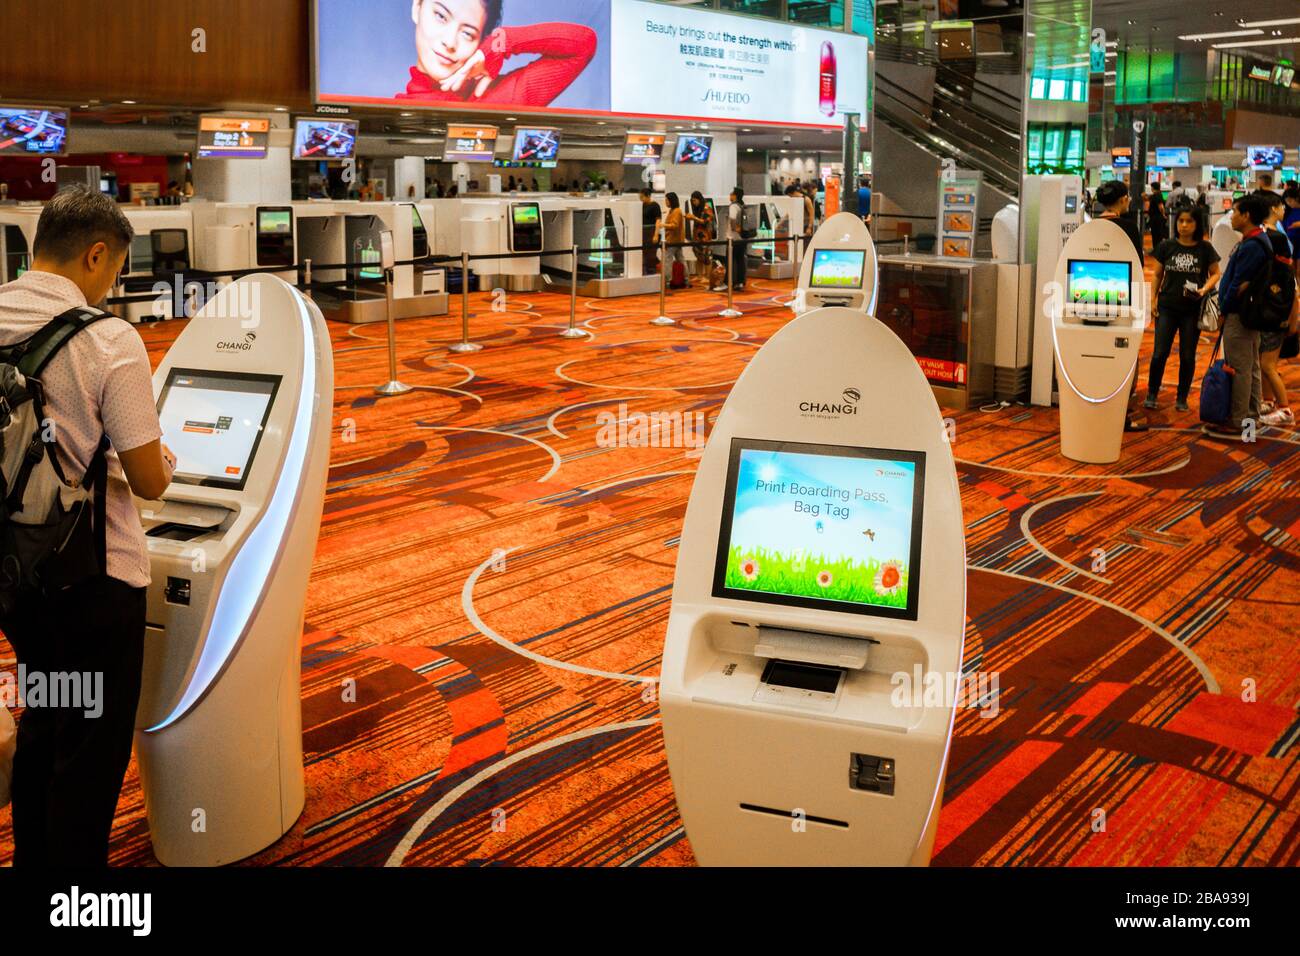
474	71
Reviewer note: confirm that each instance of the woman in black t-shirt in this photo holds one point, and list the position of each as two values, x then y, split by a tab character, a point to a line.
1187	267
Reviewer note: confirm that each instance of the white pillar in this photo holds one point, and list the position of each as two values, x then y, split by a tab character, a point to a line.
408	171
250	180
717	178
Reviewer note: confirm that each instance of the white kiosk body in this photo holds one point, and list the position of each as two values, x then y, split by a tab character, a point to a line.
1224	238
1053	209
1098	314
17	236
821	569
839	267
246	404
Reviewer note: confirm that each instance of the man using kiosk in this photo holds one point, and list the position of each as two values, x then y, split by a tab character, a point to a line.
98	398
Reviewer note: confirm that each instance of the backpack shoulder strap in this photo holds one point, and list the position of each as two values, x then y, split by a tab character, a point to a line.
37	351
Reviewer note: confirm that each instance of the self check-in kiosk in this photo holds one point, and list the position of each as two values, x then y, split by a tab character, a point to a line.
610	261
492	227
839	267
245	398
820	579
778	218
235	237
161	253
1098	312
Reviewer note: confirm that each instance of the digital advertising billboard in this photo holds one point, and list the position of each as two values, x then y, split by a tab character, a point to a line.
522	56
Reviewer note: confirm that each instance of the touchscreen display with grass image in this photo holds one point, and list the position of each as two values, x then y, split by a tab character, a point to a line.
838	269
822	526
1098	282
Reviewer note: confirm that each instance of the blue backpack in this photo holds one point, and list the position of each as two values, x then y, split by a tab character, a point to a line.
1216	389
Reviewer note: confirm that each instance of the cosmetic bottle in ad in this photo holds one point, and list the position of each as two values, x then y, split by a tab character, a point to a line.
828	78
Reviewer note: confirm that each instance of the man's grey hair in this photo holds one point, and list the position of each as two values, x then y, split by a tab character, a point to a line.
77	218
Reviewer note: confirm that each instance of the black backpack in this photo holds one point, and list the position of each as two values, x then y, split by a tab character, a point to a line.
1267	302
52	531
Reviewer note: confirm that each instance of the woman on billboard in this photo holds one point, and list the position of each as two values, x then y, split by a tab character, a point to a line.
462	47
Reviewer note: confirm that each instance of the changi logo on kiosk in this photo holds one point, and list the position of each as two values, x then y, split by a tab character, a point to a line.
848	406
244	346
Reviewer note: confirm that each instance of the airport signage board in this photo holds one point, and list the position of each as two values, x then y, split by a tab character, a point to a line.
233	137
959	194
624	58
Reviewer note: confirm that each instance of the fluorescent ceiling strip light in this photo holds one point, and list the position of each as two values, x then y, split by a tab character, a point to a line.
1220	36
1273	23
1273	42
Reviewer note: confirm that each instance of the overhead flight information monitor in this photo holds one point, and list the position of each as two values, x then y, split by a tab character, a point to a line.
1098	282
693	150
232	137
822	526
537	145
1265	157
34	132
470	144
213	422
838	268
643	149
325	139
1173	156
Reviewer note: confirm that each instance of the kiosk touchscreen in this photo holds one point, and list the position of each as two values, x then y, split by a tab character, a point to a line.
1097	320
275	249
525	227
839	267
245	397
820	575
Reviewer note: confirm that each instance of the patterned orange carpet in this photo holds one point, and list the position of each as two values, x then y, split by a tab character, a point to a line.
493	578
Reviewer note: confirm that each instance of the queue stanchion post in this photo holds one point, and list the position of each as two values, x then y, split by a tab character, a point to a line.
731	312
306	278
663	318
573	332
464	345
393	386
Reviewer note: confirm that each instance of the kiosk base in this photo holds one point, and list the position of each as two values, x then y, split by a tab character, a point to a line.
605	288
773	270
368	311
1092	432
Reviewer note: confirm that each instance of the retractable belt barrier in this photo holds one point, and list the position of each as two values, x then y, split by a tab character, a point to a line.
183	281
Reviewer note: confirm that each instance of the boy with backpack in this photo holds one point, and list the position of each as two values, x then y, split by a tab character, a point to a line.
80	433
1256	295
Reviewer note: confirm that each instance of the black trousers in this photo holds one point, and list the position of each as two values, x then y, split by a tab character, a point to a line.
1183	323
68	767
739	265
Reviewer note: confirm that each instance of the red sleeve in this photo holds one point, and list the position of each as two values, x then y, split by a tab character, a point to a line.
565	50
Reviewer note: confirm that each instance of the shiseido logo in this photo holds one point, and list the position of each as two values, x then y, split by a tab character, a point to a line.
1104	247
725	96
244	346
